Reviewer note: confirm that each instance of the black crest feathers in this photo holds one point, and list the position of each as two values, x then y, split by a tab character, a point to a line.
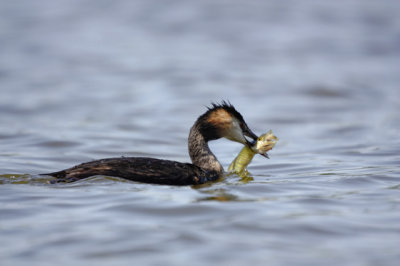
210	130
226	105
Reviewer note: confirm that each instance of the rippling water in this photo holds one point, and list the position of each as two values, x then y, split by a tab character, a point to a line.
83	80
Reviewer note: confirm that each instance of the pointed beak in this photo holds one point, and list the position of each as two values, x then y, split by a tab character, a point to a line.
247	132
265	155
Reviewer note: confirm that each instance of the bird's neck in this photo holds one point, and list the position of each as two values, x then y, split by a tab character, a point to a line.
200	153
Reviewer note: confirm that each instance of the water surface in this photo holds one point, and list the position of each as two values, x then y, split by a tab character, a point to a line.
84	80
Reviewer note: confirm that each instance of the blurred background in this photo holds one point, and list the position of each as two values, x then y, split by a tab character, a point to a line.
88	79
148	67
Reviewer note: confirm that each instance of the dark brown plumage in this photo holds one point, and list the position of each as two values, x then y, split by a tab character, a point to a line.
140	169
219	121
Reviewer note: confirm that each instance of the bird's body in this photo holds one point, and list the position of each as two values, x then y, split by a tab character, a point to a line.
219	121
140	169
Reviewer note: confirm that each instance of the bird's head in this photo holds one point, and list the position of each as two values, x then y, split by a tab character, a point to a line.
223	121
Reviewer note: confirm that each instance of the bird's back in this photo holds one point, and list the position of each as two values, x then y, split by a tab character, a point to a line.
140	169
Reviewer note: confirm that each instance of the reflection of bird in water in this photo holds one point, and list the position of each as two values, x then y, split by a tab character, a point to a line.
221	120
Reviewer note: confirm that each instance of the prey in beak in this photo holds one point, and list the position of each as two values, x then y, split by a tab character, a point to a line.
260	145
264	143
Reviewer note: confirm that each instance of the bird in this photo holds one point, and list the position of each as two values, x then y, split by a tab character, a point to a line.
221	120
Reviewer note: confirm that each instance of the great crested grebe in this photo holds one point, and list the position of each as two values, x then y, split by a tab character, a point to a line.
220	120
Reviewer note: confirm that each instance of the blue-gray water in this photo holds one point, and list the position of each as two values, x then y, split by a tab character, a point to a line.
83	80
